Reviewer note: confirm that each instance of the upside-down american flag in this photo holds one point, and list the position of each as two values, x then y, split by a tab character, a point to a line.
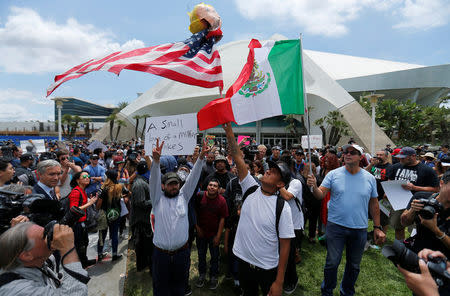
195	61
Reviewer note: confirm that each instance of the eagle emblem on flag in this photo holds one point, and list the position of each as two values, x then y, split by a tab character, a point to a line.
256	83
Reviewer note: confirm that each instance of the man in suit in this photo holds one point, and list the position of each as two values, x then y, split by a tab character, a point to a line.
49	172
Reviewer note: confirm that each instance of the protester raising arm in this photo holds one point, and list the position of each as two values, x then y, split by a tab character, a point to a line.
155	174
235	152
192	180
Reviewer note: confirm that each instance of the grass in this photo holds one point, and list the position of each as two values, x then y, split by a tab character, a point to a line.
378	275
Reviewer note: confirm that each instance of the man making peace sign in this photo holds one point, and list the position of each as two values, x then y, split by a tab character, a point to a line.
170	206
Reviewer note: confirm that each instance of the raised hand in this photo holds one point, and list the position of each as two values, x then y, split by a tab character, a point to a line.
157	150
205	149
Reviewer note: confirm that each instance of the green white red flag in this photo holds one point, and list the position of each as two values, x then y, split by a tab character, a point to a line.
270	84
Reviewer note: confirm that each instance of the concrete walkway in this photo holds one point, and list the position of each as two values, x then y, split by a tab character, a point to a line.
107	277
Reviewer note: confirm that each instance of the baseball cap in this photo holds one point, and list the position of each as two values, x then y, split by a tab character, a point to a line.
94	156
284	170
355	146
220	158
25	157
405	152
170	177
445	161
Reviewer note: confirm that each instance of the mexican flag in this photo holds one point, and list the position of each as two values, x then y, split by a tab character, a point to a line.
270	84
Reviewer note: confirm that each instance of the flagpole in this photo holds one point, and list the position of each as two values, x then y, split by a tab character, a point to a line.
305	100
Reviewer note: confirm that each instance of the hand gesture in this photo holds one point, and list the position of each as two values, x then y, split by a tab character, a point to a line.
227	127
157	150
205	149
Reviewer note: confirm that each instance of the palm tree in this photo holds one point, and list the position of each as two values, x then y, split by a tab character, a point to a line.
120	123
145	124
111	118
87	131
136	127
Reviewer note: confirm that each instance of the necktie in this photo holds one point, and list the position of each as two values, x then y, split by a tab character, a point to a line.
53	194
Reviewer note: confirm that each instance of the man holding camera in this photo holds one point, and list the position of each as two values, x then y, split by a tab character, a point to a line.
431	233
25	267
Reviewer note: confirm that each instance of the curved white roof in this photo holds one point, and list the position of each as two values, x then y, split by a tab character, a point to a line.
339	66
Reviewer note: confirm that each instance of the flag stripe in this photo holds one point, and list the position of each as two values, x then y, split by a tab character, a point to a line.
195	61
285	58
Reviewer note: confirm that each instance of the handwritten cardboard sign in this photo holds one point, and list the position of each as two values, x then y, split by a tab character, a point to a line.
179	133
315	140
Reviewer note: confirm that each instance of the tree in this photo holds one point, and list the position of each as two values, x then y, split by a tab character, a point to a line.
335	124
120	123
87	131
409	123
113	116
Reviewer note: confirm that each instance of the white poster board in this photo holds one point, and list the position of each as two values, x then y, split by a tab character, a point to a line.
38	143
315	141
179	133
397	196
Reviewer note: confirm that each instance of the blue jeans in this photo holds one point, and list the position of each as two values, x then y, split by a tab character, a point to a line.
354	241
113	235
169	272
202	245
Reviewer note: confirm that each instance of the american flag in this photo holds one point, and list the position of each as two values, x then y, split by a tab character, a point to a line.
195	61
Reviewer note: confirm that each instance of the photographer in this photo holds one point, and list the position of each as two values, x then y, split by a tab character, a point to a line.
431	233
423	284
24	262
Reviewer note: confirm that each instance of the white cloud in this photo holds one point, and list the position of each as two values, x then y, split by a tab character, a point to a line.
15	105
424	14
34	45
331	17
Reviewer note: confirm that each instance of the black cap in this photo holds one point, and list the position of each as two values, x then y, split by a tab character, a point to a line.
284	170
26	156
94	156
170	177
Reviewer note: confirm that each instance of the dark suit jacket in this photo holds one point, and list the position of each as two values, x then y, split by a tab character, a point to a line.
39	190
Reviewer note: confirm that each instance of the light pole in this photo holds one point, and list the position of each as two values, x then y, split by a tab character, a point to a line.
373	99
59	103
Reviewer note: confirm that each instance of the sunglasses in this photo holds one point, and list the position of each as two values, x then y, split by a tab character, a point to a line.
85	176
351	152
64	158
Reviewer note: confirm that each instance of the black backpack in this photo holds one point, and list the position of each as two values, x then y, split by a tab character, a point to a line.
278	208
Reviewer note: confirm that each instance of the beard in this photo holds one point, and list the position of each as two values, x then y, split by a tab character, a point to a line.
172	194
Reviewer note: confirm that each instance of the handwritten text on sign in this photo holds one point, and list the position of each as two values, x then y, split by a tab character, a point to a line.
179	133
315	140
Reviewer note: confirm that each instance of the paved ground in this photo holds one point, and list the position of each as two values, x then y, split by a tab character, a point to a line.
107	277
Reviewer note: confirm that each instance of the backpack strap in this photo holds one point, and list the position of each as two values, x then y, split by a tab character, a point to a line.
249	191
7	277
278	210
81	198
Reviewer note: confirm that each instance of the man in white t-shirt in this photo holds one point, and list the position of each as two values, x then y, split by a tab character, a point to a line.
293	195
261	251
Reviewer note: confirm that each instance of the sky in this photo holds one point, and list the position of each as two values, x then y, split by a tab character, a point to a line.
41	39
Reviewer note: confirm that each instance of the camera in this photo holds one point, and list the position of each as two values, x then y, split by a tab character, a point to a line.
399	254
430	208
44	212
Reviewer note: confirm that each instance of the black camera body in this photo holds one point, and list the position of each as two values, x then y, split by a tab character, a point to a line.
399	254
37	208
430	208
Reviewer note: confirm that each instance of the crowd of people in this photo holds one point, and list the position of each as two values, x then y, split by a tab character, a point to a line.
254	200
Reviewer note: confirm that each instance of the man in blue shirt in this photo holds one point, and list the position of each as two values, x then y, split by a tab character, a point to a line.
353	191
97	174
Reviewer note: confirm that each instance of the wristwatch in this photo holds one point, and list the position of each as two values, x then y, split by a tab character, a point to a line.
377	226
